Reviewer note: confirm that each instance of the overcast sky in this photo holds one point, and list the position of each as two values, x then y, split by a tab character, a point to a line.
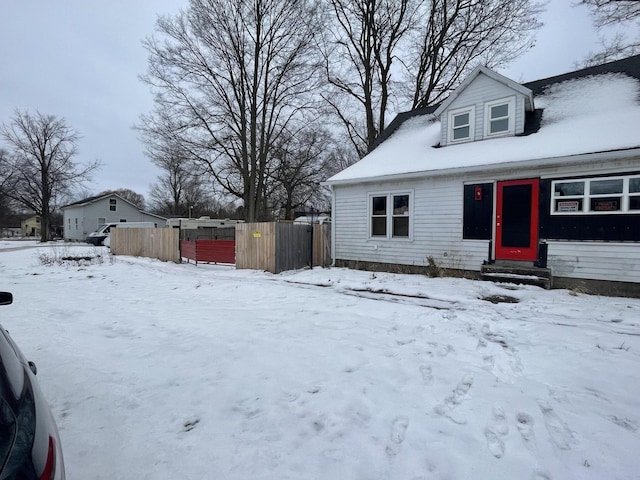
80	59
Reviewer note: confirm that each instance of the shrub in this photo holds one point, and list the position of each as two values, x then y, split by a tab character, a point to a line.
64	256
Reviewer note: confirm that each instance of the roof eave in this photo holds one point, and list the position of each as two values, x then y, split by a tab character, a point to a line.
565	160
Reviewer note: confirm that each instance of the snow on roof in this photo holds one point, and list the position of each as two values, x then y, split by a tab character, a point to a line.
587	115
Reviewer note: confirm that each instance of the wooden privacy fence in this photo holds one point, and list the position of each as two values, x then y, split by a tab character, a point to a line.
276	247
160	243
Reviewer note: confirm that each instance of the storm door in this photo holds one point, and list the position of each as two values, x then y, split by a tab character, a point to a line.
517	220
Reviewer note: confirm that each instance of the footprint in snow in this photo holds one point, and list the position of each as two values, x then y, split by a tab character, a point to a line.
452	401
496	431
525	427
444	350
495	444
427	375
398	432
463	386
624	423
540	475
561	435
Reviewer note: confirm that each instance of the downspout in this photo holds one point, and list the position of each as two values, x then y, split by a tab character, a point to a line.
333	226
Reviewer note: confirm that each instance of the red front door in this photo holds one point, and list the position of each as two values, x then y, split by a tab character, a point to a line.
517	220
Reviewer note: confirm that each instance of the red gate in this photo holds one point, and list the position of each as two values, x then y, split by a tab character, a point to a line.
209	251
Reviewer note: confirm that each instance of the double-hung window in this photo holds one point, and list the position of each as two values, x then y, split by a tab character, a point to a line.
112	204
461	124
390	215
499	117
601	195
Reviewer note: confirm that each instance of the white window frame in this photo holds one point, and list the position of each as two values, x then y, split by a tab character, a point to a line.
113	203
587	196
511	117
472	121
389	195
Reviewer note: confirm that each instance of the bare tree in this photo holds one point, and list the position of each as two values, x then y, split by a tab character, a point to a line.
229	76
462	34
613	12
169	191
301	163
180	188
6	172
42	148
405	54
5	178
360	53
178	192
607	16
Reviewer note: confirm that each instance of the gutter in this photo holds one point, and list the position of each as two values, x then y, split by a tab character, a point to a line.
514	165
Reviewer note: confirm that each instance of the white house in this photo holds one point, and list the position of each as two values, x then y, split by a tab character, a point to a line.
502	175
85	216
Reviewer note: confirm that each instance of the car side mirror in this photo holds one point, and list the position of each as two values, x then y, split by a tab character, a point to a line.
6	298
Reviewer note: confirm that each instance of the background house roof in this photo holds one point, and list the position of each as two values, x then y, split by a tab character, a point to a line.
591	110
88	200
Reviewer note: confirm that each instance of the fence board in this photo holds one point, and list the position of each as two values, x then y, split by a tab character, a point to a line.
321	245
160	243
255	246
293	246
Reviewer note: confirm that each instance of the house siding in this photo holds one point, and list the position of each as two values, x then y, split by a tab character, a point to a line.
437	222
87	217
73	223
482	90
595	260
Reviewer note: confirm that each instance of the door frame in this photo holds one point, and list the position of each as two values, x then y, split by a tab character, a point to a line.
518	253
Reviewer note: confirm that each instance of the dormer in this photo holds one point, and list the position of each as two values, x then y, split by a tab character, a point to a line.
485	105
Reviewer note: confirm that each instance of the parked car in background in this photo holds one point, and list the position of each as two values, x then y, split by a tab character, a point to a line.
102	233
30	446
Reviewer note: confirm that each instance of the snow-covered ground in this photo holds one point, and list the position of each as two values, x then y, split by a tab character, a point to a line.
163	371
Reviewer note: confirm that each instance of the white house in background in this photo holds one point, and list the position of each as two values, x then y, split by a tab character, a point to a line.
85	216
542	177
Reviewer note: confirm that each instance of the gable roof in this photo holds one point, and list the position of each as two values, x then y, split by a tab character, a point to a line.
588	111
491	74
96	198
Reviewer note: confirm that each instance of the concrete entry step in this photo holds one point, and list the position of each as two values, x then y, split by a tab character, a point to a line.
523	274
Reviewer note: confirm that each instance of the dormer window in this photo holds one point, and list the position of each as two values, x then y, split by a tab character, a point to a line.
499	117
461	124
